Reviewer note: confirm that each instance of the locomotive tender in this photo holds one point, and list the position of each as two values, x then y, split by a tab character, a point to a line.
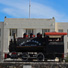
37	48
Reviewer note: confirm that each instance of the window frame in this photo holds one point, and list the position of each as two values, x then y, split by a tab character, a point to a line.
60	30
26	31
48	30
11	31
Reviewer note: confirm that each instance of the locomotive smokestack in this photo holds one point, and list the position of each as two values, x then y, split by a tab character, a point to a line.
14	37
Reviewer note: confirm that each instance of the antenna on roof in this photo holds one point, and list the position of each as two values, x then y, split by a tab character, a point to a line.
29	7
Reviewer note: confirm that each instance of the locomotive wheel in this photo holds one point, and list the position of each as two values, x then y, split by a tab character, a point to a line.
25	57
40	57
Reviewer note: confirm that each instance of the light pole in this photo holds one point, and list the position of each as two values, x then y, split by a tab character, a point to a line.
29	7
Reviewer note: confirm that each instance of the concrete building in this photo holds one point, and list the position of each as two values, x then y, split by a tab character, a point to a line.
21	25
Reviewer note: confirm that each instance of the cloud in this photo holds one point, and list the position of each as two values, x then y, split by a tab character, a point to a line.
20	8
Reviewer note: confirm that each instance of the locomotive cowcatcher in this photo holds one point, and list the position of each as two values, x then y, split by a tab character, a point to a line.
31	48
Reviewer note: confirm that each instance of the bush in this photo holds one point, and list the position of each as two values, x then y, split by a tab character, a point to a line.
66	60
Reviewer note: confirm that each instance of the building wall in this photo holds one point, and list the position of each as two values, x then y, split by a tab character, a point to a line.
1	40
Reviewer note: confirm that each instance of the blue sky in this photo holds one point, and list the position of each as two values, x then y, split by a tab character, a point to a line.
39	9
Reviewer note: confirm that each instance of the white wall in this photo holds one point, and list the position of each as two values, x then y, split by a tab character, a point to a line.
1	40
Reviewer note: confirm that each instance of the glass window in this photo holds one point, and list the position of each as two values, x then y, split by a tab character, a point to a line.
12	31
60	30
45	30
28	31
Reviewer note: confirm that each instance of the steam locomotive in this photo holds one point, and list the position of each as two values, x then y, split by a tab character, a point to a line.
37	48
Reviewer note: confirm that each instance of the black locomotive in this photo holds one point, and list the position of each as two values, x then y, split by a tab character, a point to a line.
37	48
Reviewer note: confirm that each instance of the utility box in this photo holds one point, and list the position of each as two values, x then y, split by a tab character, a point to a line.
27	66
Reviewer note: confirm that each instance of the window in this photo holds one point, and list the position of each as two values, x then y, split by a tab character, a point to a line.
12	31
28	31
60	30
45	30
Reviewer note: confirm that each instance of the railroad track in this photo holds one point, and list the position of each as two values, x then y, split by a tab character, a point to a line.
35	64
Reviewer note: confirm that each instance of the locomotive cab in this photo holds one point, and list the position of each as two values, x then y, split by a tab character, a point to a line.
55	45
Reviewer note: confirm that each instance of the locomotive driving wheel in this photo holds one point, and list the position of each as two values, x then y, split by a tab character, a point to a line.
40	57
25	56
